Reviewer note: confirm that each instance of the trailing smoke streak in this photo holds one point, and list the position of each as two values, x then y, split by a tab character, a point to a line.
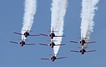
87	15
57	20
28	19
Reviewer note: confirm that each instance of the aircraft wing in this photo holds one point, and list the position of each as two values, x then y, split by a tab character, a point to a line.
61	57
74	51
59	36
45	58
14	42
29	44
17	33
91	51
73	41
34	35
44	44
59	44
90	42
44	34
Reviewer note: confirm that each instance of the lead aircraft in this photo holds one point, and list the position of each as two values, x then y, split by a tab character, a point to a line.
53	58
26	33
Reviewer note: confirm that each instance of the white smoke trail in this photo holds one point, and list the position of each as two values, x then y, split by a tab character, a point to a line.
87	15
57	20
30	10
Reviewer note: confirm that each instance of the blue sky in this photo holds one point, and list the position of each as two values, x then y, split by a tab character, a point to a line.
11	19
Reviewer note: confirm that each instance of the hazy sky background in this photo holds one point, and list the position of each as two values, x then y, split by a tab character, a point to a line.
11	19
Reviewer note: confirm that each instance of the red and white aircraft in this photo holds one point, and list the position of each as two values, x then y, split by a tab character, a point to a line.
82	51
53	58
52	44
52	34
22	43
26	34
82	42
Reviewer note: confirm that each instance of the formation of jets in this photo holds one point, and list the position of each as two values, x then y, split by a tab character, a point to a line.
82	42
